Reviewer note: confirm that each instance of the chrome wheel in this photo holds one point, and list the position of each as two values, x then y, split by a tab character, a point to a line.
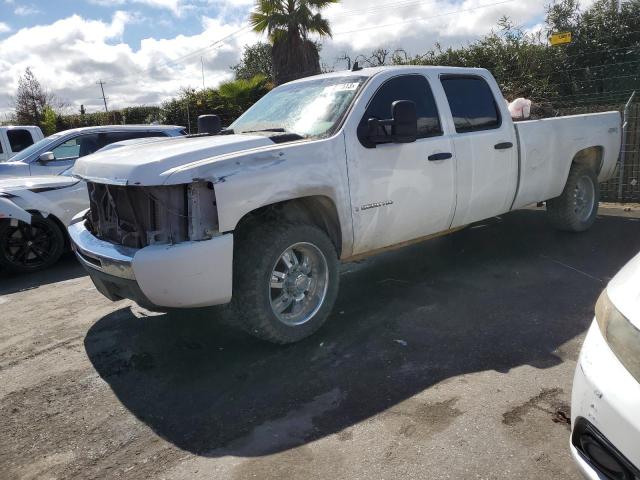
298	284
585	192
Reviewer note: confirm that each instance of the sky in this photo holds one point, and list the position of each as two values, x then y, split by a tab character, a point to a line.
147	50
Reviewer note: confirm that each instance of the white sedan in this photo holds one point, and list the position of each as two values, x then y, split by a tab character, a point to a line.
34	214
605	409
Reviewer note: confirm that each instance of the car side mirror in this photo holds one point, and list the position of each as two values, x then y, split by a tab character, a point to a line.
46	157
405	121
403	124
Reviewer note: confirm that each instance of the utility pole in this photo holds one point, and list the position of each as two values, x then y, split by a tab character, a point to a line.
202	64
101	83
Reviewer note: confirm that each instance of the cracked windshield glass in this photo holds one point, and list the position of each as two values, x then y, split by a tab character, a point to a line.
311	109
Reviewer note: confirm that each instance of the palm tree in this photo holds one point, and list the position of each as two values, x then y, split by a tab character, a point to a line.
289	23
241	94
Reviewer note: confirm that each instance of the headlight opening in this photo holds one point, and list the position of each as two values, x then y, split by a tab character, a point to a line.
620	334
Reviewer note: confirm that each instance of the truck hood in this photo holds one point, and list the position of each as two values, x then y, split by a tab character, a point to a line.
151	164
49	182
14	169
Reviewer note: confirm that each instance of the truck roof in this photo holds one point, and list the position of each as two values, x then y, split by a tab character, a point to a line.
373	71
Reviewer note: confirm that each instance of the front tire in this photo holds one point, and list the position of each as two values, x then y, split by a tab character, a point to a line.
575	210
28	248
286	279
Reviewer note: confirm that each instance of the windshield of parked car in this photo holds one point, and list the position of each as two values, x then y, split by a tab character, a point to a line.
311	109
41	145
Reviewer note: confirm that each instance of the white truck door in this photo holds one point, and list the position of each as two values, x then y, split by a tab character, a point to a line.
399	192
485	146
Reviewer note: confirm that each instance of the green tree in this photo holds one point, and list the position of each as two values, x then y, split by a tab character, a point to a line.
602	63
241	94
49	118
289	23
256	60
31	99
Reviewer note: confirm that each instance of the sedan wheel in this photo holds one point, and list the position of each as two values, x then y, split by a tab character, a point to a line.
27	248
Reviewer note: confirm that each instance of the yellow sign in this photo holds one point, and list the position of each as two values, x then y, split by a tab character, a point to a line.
560	38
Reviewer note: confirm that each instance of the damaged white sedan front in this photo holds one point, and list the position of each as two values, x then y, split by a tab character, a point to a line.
34	212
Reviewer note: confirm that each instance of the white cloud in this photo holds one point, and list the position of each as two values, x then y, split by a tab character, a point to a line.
175	6
26	10
4	28
72	54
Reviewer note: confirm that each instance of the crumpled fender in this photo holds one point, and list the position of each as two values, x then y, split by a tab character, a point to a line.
8	209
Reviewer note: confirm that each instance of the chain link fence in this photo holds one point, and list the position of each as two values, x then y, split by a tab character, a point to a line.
624	186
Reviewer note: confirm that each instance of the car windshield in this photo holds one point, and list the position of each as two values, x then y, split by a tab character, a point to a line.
311	109
41	145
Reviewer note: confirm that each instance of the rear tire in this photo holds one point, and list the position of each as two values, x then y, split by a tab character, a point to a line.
285	280
575	210
29	248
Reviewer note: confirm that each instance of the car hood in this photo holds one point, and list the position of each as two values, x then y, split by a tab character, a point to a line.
14	169
49	182
152	164
624	291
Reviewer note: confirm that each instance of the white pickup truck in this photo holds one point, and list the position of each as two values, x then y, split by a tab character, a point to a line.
325	169
15	139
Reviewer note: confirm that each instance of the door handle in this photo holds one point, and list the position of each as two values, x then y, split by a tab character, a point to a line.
436	157
504	146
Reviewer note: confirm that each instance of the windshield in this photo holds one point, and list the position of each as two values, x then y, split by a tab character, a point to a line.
27	152
313	108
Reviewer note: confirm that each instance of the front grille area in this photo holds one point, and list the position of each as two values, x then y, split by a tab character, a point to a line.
138	216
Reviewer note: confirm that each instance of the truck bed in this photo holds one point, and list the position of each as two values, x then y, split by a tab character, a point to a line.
546	145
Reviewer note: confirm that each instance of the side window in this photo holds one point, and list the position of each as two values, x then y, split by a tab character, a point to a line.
19	139
407	87
472	103
76	147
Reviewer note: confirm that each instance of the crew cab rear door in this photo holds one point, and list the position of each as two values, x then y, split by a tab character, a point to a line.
485	145
399	191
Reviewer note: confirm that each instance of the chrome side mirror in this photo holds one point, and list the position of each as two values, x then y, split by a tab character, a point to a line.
46	157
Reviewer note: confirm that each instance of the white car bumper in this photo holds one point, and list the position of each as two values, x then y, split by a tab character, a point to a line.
607	397
186	275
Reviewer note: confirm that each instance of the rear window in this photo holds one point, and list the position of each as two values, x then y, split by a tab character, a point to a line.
19	139
472	103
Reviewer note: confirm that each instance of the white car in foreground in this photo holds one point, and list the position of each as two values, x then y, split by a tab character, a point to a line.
605	406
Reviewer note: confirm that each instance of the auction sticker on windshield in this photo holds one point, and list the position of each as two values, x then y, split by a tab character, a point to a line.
341	87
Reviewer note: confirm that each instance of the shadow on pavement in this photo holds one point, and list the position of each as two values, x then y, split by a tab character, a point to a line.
67	268
495	296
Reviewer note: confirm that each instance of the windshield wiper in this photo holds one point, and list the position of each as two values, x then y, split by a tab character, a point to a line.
277	130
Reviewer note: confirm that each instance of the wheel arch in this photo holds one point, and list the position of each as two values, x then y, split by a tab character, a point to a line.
593	157
319	210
